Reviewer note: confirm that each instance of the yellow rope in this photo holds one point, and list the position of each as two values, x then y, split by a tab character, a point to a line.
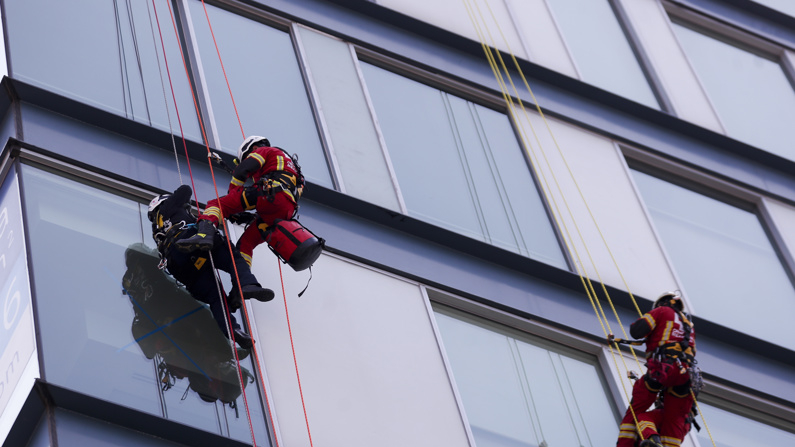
579	266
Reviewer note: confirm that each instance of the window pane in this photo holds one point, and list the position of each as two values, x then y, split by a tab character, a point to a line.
751	93
107	54
460	166
116	327
732	430
521	393
723	258
600	48
267	85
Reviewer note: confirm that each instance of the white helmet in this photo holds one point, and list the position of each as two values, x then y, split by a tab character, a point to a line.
155	204
670	299
248	145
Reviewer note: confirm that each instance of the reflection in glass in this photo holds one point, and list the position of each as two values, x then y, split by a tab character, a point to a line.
267	85
601	49
460	166
93	279
723	258
750	92
107	54
517	393
732	430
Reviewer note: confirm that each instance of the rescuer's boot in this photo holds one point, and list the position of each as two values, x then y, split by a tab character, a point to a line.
202	240
244	340
652	441
250	291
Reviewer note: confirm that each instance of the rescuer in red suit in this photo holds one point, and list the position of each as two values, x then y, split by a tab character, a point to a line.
670	362
277	186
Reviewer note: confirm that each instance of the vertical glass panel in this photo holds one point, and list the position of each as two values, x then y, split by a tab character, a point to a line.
750	92
267	85
600	48
108	54
732	430
723	258
460	166
518	392
115	326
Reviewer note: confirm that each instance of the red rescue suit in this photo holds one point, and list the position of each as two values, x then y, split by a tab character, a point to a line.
277	187
670	347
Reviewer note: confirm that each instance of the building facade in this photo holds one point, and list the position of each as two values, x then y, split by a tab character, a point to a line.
501	184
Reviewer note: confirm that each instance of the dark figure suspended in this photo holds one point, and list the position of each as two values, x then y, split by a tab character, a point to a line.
172	222
671	374
274	194
178	333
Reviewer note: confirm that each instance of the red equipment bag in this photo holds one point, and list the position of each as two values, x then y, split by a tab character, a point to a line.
294	244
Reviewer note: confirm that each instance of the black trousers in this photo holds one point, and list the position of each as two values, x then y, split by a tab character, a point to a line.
196	271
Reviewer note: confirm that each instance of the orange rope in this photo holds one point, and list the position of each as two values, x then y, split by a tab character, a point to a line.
212	173
228	87
174	98
245	311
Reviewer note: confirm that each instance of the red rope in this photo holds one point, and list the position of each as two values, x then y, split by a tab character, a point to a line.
245	311
212	173
174	98
295	360
228	87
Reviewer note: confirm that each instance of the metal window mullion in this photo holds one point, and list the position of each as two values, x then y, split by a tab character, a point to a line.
193	60
317	107
464	164
563	39
379	133
657	237
448	368
497	178
642	56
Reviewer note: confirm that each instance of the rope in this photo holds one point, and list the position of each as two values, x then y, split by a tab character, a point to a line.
204	135
292	346
176	107
163	88
131	21
223	221
218	52
589	288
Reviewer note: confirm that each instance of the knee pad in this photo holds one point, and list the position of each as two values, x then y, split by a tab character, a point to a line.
680	390
651	384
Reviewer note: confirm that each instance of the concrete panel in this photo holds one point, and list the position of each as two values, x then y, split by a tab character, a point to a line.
678	79
599	214
370	367
474	19
354	140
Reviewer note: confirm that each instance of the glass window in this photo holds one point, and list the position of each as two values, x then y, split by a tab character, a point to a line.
600	48
116	327
267	85
460	166
750	91
724	259
519	391
107	54
732	430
